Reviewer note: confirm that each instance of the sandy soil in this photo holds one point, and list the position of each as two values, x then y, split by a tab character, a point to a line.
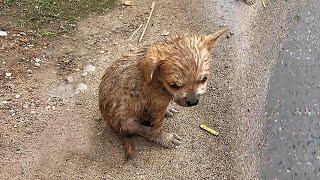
50	131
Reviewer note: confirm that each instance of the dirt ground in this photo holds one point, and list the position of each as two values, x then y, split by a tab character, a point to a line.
51	127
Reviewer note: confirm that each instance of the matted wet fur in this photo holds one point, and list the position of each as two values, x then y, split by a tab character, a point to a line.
135	91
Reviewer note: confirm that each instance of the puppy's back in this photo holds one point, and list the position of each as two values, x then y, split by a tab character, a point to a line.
121	82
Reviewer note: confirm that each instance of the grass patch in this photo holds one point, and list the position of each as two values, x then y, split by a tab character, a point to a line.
49	17
8	2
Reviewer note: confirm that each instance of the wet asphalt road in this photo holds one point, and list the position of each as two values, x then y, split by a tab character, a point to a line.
293	104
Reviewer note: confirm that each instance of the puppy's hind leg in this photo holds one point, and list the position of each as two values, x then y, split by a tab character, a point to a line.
128	129
128	146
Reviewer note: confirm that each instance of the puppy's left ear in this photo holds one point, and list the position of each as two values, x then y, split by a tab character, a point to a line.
148	67
209	40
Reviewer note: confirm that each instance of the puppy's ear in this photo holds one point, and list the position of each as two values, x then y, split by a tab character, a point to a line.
209	40
148	67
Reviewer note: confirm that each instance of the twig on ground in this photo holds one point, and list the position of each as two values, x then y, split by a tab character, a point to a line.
135	32
145	28
264	3
65	36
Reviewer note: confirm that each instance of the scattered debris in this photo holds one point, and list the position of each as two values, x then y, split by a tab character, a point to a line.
8	74
37	60
65	36
203	126
135	32
70	79
127	3
84	74
3	33
165	33
264	2
5	102
88	69
146	26
62	91
81	88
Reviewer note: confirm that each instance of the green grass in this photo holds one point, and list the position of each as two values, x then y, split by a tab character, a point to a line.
50	17
8	2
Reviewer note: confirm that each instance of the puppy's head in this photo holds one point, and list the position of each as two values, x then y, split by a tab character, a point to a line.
182	66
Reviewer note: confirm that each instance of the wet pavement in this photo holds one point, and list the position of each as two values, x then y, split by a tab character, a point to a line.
293	104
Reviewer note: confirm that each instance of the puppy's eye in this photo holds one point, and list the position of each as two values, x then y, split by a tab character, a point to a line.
174	85
204	80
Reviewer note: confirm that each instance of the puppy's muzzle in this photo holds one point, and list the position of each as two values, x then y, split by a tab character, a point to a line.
192	99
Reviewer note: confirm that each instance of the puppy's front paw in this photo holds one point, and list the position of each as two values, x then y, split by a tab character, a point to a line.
169	140
250	2
171	111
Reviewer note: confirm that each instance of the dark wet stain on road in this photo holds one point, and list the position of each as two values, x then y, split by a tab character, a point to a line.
293	104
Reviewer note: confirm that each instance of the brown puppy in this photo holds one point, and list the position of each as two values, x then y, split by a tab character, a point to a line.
136	90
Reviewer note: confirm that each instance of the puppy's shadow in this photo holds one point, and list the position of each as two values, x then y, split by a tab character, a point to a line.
105	146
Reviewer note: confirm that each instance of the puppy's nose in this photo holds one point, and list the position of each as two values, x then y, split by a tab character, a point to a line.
192	101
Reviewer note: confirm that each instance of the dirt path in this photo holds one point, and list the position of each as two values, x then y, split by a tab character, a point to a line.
49	136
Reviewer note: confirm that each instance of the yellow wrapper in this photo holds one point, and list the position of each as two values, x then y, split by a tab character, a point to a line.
203	126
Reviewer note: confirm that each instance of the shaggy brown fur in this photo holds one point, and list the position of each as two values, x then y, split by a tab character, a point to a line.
136	90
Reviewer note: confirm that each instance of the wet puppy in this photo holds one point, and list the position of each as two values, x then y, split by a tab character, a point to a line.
135	91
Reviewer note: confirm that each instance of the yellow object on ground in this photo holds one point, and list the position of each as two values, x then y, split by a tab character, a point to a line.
203	126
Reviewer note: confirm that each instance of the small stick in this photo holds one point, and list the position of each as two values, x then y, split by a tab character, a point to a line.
135	32
210	130
145	28
263	3
65	36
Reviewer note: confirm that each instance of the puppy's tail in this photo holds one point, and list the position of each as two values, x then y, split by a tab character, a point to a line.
128	147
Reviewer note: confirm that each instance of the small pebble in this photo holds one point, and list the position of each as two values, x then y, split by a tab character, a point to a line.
17	96
127	3
165	33
37	60
37	64
88	69
70	79
84	74
81	88
3	33
5	102
8	74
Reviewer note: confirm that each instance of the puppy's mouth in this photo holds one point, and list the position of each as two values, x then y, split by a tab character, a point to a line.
186	102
